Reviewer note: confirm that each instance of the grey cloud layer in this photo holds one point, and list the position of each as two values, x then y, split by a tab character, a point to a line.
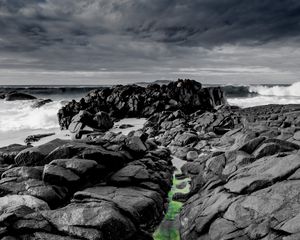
200	22
137	34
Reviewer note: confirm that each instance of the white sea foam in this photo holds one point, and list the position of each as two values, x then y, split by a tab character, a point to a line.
292	90
19	115
262	100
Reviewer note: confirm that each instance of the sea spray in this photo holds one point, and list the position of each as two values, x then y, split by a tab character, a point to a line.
280	91
19	115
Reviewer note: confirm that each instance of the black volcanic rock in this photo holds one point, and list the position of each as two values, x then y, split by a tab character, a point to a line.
35	138
14	96
85	190
248	187
41	102
136	101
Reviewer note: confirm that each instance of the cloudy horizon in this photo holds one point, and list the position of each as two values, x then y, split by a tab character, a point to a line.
122	41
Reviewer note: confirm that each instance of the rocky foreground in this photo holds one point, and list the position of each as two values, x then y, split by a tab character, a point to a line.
114	187
244	166
248	185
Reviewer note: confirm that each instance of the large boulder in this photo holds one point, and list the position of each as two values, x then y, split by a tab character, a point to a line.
34	156
103	121
78	166
22	200
9	153
85	122
92	221
58	175
140	204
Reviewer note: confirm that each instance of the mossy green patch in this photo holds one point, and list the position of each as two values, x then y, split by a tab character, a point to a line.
167	234
170	231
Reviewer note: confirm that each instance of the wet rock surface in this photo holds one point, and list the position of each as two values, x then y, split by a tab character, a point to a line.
89	192
243	167
137	101
247	185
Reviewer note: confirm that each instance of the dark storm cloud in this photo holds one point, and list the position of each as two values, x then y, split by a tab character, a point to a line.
139	34
184	22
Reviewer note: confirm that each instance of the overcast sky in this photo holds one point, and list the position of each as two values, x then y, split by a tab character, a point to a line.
121	41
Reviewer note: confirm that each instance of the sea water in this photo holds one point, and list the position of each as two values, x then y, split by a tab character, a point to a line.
18	119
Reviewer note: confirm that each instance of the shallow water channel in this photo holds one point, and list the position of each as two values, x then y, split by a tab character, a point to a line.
169	228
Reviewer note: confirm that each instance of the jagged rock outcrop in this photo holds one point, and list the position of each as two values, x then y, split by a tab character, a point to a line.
137	101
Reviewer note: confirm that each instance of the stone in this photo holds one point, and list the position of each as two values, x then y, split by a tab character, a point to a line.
15	96
51	194
250	146
136	145
292	225
129	173
136	101
22	200
267	149
44	235
79	122
32	222
23	172
272	204
107	158
216	164
220	228
124	126
191	156
35	138
34	156
103	121
199	211
185	139
78	166
41	102
58	175
262	172
91	220
297	136
9	153
144	206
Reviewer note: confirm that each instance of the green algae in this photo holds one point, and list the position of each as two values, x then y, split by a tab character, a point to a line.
169	228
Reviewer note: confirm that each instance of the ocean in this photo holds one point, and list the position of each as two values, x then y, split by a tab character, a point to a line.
18	119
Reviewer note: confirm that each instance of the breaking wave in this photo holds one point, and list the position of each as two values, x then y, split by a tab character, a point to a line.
280	91
19	115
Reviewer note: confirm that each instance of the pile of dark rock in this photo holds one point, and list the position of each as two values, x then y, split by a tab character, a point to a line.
246	184
243	164
136	101
114	187
20	96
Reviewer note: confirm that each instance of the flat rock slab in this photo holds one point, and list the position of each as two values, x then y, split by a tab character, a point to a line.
262	172
59	175
141	204
278	206
79	166
22	200
91	220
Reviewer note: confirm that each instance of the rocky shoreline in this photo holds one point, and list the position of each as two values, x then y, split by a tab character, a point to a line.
243	166
114	188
